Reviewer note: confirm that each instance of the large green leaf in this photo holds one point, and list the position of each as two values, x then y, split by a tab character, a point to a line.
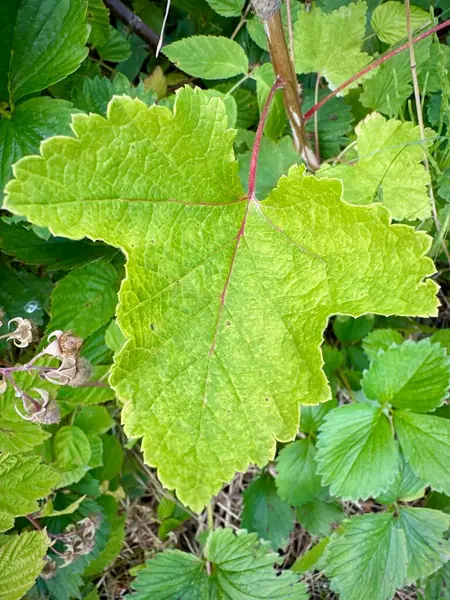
225	298
413	375
266	513
208	57
30	123
356	454
367	559
21	561
330	43
85	299
241	569
297	480
389	21
425	441
388	168
44	42
23	480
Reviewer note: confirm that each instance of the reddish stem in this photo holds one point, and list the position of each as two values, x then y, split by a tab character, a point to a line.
373	65
259	133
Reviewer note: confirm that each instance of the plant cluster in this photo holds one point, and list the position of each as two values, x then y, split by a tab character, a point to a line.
224	249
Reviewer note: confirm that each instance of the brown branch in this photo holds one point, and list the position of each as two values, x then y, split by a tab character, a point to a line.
373	65
135	23
284	70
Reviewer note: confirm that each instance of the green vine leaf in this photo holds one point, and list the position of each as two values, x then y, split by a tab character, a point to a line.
388	168
23	480
330	43
198	383
242	567
425	441
41	43
413	376
21	561
357	455
208	57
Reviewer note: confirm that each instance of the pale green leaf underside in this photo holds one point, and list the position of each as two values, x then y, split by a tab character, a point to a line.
225	300
21	561
389	21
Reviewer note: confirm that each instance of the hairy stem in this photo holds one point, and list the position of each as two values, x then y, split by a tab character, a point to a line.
285	71
259	133
134	22
373	65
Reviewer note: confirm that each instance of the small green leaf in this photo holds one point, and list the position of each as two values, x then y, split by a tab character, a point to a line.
368	558
297	480
73	506
85	299
98	19
116	48
348	329
113	457
389	21
45	43
21	561
390	157
23	480
320	516
265	513
308	561
415	376
426	548
30	123
208	57
227	8
311	417
356	454
276	120
71	447
425	441
380	339
94	419
330	44
406	486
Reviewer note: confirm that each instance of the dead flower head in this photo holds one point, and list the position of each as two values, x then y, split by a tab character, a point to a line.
49	569
79	539
44	411
73	370
23	334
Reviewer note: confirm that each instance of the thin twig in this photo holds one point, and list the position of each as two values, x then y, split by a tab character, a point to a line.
379	61
135	23
259	133
163	28
290	31
316	118
417	98
242	22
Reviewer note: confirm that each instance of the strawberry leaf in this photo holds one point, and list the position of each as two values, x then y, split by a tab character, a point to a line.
225	298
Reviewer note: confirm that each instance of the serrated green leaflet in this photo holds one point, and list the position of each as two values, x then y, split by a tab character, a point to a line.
297	480
116	47
242	569
18	435
71	448
201	385
23	480
44	43
265	513
320	517
85	299
406	486
380	339
98	19
227	8
208	57
21	561
415	376
426	548
330	44
389	21
30	123
425	441
388	168
356	454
